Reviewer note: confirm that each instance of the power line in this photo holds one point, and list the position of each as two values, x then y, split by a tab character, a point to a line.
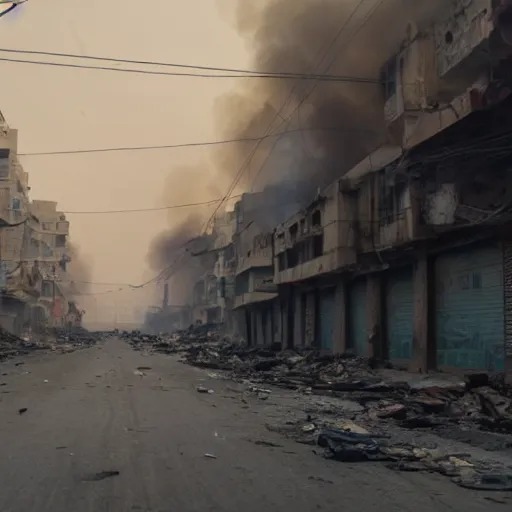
137	210
249	72
360	80
173	146
277	115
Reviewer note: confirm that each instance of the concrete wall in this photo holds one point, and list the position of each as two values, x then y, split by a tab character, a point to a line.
337	213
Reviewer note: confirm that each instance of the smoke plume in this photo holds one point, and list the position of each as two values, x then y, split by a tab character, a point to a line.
79	271
341	121
329	126
190	185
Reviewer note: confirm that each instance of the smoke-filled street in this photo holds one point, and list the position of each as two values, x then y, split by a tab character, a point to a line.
108	428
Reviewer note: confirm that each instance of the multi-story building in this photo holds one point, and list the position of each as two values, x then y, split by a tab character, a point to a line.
257	303
225	265
17	282
33	247
48	245
406	257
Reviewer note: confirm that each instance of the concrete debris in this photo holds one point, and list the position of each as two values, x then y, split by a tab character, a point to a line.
103	475
435	402
22	411
56	340
202	389
359	413
210	456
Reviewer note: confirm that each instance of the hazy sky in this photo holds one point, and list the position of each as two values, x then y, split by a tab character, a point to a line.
65	109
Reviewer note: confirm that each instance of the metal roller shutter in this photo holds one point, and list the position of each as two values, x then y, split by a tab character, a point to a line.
358	318
326	312
400	313
470	313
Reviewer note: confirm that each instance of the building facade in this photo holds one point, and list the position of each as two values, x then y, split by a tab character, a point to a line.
34	285
406	257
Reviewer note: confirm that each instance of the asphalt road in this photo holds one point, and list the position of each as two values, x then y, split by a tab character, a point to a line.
96	414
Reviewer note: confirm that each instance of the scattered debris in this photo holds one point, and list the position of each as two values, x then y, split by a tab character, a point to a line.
269	444
103	475
54	339
486	482
22	411
320	479
209	456
202	389
144	368
356	412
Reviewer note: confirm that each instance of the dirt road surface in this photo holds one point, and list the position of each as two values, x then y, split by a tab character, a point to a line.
95	412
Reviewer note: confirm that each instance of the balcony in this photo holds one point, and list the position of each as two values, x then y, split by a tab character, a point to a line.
249	298
255	251
461	44
318	240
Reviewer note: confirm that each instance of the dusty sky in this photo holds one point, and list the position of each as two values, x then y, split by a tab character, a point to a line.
66	109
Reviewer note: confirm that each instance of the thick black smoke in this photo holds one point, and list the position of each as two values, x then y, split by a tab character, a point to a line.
333	125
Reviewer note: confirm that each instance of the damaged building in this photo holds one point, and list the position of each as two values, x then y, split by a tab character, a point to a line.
405	257
35	285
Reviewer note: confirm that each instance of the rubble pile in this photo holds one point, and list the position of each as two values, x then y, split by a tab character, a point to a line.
12	346
384	396
411	403
178	341
74	338
55	339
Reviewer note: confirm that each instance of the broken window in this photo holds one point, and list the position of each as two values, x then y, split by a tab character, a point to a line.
292	258
4	163
316	219
293	232
318	246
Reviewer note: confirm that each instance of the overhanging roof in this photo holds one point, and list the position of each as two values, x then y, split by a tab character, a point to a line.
374	161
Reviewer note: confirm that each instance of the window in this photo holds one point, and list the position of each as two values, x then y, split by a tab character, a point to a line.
60	241
16	204
47	251
281	261
316	219
391	201
293	232
47	289
388	79
4	163
318	246
34	248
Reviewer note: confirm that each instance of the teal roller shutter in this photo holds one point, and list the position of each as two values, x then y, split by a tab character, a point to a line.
400	313
470	324
358	318
326	311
